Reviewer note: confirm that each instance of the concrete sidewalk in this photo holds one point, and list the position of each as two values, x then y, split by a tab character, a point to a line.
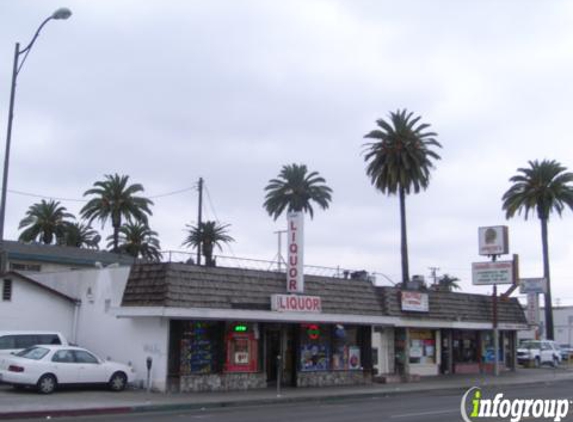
16	404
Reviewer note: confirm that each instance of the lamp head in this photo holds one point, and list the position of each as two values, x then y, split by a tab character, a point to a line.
62	13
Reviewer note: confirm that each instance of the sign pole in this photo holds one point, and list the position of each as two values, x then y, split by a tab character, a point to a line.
495	329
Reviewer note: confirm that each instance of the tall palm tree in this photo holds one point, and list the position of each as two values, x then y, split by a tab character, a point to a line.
45	221
294	190
542	187
115	199
79	235
400	161
208	234
137	240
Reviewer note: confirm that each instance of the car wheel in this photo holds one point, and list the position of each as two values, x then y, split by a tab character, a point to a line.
118	381
47	384
537	362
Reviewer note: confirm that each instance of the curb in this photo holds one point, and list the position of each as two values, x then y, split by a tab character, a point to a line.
181	406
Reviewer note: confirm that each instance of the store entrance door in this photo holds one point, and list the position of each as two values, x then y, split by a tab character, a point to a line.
272	351
280	341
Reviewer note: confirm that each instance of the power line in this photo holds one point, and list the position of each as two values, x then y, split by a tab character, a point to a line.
37	195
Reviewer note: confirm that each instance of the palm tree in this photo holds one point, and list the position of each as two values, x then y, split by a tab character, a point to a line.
448	283
116	200
542	187
207	234
294	190
45	221
79	235
400	161
137	240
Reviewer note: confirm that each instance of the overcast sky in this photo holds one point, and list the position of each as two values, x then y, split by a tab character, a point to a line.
169	91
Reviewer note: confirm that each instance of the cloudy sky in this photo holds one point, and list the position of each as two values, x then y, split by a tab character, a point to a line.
169	91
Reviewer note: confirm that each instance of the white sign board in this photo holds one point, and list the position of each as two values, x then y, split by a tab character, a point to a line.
532	311
415	301
295	268
532	285
296	303
488	273
493	240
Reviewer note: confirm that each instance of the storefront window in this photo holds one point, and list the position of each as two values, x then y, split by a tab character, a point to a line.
465	346
242	348
345	349
487	354
314	347
201	346
422	347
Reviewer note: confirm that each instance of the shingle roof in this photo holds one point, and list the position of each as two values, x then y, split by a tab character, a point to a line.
181	285
62	254
454	306
190	286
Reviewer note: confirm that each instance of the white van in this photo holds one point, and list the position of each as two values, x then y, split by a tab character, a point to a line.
15	341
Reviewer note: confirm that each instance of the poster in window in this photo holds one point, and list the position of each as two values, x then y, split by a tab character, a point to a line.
314	357
354	357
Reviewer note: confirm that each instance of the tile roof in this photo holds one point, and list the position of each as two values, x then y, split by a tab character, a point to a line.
191	286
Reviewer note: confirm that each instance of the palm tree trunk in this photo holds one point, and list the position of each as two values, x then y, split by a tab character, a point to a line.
548	308
404	237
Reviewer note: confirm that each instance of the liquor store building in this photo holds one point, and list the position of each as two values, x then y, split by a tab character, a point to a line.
232	329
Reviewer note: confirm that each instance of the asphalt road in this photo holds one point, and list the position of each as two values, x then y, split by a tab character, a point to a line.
435	406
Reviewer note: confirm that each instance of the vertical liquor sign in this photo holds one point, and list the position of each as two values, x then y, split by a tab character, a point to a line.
295	276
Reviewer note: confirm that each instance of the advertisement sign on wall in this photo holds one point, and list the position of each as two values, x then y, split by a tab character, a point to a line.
295	232
415	301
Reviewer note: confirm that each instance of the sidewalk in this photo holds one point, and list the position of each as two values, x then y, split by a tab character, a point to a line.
20	404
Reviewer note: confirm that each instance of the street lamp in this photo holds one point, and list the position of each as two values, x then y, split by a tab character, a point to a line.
61	13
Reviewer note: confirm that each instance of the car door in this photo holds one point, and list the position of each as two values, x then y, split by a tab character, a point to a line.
91	371
546	352
64	365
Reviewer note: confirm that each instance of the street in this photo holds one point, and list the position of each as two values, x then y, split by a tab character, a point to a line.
432	406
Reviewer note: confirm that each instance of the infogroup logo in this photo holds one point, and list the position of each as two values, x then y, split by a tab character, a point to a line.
513	410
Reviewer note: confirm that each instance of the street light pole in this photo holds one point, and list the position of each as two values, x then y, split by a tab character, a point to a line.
62	13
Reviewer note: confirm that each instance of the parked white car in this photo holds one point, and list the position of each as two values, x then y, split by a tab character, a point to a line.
47	367
538	352
12	342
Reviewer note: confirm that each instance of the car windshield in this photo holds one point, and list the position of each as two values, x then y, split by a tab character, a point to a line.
530	345
34	353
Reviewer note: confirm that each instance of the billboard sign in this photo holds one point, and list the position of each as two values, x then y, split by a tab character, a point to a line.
295	232
488	273
532	310
532	285
493	240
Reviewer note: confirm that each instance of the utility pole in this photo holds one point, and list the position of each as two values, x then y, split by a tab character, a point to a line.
433	271
199	217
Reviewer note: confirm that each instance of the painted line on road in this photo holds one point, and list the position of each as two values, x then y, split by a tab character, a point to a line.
436	412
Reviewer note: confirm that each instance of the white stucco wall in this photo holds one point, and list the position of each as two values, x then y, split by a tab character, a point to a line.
34	308
126	340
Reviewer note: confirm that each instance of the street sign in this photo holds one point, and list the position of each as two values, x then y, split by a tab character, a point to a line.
489	273
532	285
493	240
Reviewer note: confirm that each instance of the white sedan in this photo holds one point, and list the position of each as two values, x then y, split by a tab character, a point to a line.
46	367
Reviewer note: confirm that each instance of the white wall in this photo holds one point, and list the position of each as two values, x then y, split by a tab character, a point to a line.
126	340
34	308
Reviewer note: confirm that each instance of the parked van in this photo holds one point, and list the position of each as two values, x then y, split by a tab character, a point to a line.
15	341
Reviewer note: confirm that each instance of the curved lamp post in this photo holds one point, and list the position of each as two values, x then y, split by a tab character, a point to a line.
62	13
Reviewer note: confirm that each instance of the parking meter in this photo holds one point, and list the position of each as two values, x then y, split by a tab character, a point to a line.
149	364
